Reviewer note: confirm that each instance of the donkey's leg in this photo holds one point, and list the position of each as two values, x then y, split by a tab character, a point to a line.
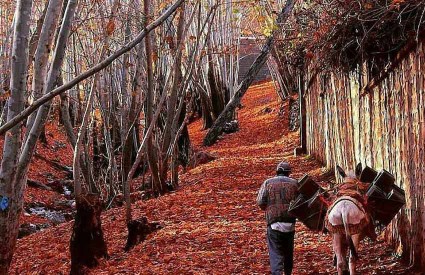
340	252
352	263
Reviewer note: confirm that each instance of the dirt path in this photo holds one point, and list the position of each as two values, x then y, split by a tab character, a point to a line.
211	224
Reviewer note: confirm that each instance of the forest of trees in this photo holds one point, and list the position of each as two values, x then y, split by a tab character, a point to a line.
123	78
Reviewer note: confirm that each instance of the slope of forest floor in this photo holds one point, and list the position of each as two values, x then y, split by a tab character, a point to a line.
211	224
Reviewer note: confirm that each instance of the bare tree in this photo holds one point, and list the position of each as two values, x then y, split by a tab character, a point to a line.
11	190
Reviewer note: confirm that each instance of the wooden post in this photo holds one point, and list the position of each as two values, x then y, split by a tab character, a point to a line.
303	129
303	124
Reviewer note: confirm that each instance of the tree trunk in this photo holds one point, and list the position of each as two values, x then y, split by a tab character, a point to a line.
303	115
66	119
10	189
138	230
141	150
42	53
54	72
172	103
87	243
183	140
217	129
35	37
207	118
152	157
217	98
131	142
79	144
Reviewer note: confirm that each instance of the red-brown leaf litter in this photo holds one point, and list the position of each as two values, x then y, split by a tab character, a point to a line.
211	224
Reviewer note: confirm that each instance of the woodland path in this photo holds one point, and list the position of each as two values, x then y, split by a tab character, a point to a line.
211	223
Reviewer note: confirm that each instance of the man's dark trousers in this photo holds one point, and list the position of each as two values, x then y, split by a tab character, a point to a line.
281	251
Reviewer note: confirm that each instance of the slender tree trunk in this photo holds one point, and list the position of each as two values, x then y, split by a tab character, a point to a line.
69	129
142	148
152	157
108	144
131	141
127	115
10	189
217	98
217	129
54	72
87	241
172	100
42	53
207	118
303	115
35	37
66	119
79	144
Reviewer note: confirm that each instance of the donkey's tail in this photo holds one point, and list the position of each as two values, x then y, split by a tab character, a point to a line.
348	236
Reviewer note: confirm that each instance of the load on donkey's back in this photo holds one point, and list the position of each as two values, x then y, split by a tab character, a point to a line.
365	200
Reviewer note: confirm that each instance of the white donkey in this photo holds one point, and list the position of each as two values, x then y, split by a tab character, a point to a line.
346	220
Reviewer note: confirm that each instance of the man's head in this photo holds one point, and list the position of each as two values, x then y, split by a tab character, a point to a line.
283	169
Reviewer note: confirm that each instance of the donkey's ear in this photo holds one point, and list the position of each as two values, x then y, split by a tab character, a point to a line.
359	169
341	171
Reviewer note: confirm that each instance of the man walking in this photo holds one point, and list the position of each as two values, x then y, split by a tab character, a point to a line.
274	197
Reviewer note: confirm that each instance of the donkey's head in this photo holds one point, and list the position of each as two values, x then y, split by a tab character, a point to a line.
350	175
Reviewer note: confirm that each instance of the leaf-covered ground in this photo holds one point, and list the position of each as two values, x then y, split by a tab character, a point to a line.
212	224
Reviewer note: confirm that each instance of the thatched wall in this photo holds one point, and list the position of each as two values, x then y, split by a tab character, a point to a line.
383	129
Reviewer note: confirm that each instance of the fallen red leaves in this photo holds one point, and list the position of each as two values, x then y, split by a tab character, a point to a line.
211	224
57	149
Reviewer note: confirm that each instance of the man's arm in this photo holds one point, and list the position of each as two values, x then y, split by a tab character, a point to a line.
262	196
